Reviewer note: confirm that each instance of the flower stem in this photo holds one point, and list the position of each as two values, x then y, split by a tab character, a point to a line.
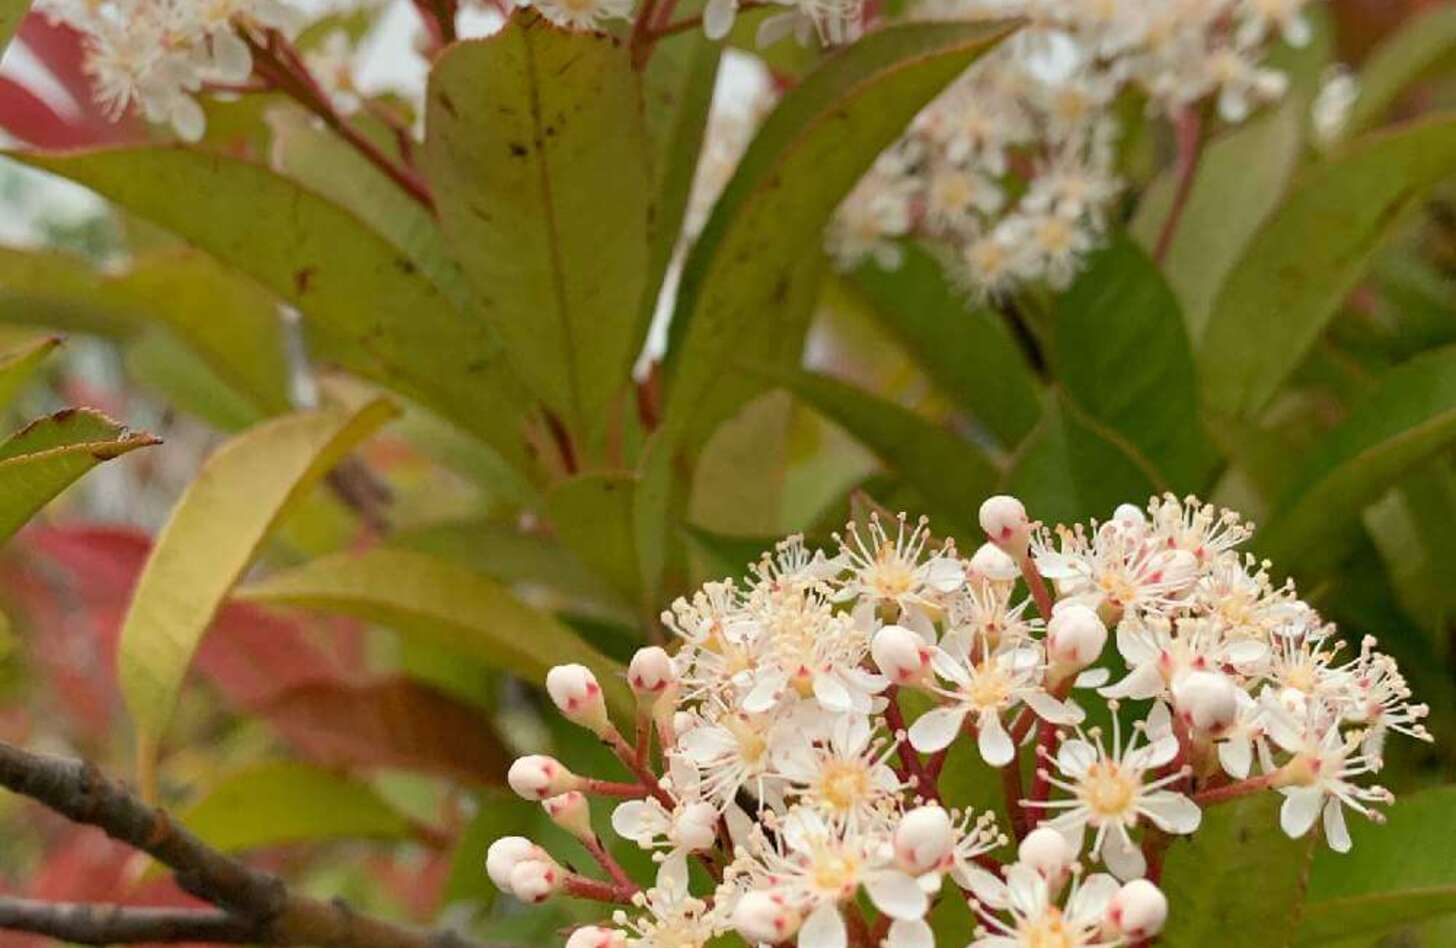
1034	582
1189	129
1233	791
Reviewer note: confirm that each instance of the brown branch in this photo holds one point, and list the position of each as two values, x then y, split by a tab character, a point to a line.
84	924
253	900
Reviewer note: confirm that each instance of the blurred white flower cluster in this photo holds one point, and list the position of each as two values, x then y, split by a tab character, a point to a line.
792	742
1013	170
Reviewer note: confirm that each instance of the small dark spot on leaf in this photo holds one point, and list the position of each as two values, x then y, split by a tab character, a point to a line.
518	150
405	265
781	289
62	416
448	104
302	278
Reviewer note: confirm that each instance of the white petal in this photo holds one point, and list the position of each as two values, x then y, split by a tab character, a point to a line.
994	743
1301	807
764	694
897	895
1144	681
672	876
718	18
1093	678
1237	756
987	889
1246	652
231	56
1122	856
1135	644
1075	756
1050	709
910	934
935	729
1336	833
774	28
1172	811
944	574
824	928
831	693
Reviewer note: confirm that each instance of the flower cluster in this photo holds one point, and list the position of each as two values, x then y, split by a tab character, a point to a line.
791	743
1012	172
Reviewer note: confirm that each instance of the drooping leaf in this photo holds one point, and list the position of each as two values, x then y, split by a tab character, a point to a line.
1122	353
968	352
19	364
212	535
367	305
1423	42
1309	255
11	13
1397	874
1237	873
1409	416
395	723
824	134
950	471
443	602
535	148
47	456
289	802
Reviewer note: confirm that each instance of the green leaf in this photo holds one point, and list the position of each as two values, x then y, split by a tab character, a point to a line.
969	353
1121	351
1423	42
286	802
952	473
61	291
822	137
1397	874
535	150
367	305
160	363
442	602
1310	254
11	13
19	364
1409	416
1241	178
213	533
1240	873
48	455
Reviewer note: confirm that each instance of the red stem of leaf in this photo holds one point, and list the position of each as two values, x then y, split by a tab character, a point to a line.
1189	130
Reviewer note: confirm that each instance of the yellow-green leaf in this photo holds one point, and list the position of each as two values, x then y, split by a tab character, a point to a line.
213	533
18	365
11	13
47	456
537	154
1422	43
441	602
61	291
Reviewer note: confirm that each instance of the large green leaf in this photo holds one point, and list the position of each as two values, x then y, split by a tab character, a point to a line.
969	352
442	602
61	291
1397	874
1238	873
1122	353
48	455
1299	268
824	134
950	471
213	533
536	151
287	802
19	364
11	13
367	305
1410	415
1422	43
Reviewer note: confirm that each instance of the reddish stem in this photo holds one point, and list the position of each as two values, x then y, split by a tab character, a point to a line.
1034	582
611	788
628	755
1011	787
605	860
1233	791
895	718
583	888
1189	131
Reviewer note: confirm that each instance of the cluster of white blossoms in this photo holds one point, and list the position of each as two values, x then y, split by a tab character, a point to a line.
791	744
1013	171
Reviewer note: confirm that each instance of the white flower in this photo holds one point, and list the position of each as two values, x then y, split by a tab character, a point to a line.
692	827
583	14
846	778
896	573
1037	916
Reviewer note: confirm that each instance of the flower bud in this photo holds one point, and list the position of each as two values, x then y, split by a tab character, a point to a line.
991	562
1177	568
1005	522
765	918
536	878
651	673
1138	910
594	936
536	777
901	655
695	828
924	840
577	695
503	856
1047	851
1075	636
1131	518
1207	701
571	812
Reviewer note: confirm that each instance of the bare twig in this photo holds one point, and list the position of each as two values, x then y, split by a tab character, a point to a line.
85	924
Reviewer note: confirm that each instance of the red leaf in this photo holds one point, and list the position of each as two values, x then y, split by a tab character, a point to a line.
26	116
63	51
391	723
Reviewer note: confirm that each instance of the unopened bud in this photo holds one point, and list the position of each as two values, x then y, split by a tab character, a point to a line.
1004	519
651	673
924	840
536	878
1175	567
594	936
991	562
536	777
1207	701
571	812
901	655
1138	910
577	695
502	857
1075	636
765	918
1131	518
1047	851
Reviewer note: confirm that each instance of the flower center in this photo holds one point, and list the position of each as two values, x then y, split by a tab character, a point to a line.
988	688
1108	790
1046	931
843	784
835	873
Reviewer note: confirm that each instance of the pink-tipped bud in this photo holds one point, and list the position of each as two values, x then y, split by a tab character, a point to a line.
695	827
651	674
765	918
1207	701
503	855
536	879
579	697
990	562
594	936
901	655
536	777
1075	636
1131	518
1004	519
571	812
1138	910
1048	852
924	840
